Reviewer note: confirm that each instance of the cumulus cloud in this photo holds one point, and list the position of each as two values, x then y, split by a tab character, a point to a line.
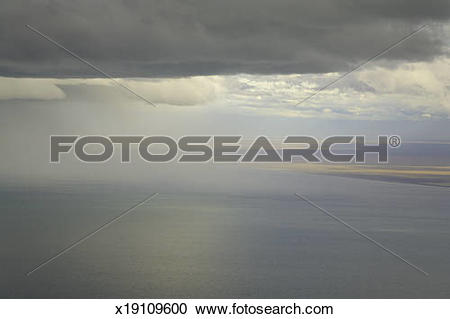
418	81
412	90
180	91
173	91
29	89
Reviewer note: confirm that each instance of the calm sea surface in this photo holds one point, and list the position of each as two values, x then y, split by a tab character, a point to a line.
235	241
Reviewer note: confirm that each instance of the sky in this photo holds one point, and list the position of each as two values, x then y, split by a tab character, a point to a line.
222	67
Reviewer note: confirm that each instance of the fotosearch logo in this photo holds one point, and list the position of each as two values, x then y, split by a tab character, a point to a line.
221	149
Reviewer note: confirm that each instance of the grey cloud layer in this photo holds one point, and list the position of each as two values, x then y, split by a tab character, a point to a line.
175	38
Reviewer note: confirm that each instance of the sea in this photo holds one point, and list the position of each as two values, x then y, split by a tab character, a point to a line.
227	232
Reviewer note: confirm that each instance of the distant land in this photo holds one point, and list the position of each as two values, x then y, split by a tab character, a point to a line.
422	175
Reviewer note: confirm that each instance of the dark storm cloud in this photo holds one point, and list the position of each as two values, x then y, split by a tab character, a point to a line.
173	38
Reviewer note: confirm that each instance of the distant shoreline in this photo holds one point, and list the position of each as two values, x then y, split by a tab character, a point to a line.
437	176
